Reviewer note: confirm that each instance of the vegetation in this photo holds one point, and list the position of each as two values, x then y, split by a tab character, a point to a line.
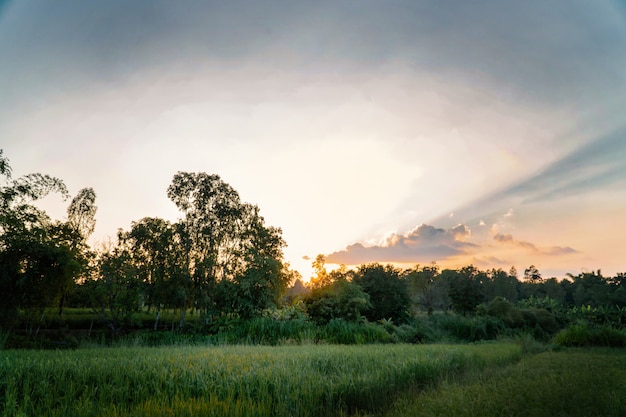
169	296
218	273
233	381
567	383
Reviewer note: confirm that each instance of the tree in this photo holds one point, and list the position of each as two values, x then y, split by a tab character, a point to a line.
80	225
81	213
387	291
321	278
501	284
37	256
465	288
423	288
532	275
115	290
225	240
153	250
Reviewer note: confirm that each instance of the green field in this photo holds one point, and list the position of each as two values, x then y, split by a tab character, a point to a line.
571	383
490	379
313	380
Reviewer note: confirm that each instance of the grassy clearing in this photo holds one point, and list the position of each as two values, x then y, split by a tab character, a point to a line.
571	383
230	381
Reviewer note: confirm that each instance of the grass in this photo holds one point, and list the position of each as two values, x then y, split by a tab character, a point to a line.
583	334
571	383
309	380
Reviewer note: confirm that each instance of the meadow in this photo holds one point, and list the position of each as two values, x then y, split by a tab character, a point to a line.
304	380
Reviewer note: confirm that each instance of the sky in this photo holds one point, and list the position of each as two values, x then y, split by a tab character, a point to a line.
490	133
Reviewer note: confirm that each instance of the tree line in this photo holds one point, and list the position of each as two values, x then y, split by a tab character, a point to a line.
384	292
220	258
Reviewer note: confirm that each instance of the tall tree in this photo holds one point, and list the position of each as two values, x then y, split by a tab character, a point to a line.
227	240
211	210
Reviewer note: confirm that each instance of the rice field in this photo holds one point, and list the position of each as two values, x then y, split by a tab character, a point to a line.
310	380
569	383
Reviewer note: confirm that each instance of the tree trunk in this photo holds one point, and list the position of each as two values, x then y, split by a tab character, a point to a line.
156	319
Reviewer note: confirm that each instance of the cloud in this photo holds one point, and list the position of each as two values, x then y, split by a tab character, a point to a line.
560	250
486	40
551	251
425	243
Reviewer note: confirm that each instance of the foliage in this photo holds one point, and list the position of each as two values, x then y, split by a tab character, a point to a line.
427	290
339	300
225	241
388	292
115	293
465	288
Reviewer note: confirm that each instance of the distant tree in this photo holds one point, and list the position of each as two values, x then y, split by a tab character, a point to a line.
115	288
532	275
321	278
423	288
501	284
465	288
592	288
618	289
553	289
259	287
387	291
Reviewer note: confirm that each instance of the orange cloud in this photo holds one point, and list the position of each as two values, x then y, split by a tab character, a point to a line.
425	243
553	250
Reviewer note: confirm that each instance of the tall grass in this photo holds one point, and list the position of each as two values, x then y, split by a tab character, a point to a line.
573	383
229	381
582	334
